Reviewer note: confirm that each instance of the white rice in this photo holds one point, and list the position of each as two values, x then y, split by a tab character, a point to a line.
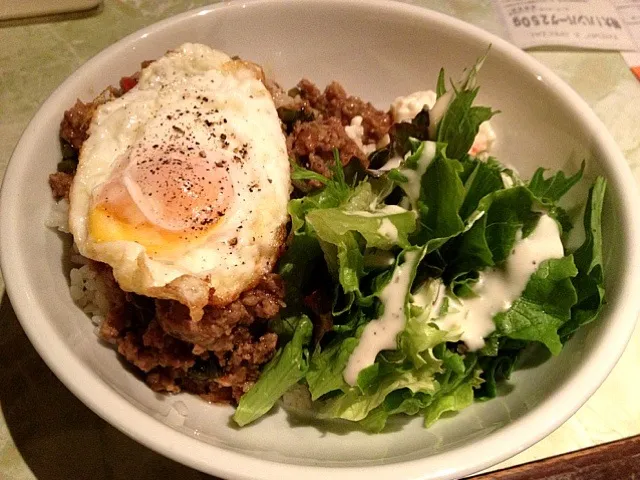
87	288
88	292
181	408
59	216
172	418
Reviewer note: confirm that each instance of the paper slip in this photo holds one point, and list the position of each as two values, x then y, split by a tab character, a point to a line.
592	24
629	11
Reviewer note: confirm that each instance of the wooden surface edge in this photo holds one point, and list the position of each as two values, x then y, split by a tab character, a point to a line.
614	460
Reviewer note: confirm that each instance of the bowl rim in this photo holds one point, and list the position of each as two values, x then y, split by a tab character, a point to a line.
492	449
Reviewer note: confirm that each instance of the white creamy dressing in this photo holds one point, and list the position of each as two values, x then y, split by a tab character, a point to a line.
484	141
498	288
404	109
380	334
510	177
355	131
414	177
393	162
380	212
430	295
437	111
507	180
388	229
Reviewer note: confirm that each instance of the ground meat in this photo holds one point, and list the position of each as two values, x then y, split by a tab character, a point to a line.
112	326
167	352
313	142
315	122
265	300
60	183
219	357
75	123
77	119
335	102
164	380
225	330
207	388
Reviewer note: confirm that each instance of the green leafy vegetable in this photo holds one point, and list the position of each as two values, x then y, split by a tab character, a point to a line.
285	369
440	86
405	133
545	305
589	282
457	380
297	265
499	359
491	238
461	122
454	401
420	334
552	189
326	367
384	228
485	178
403	137
441	196
456	121
355	406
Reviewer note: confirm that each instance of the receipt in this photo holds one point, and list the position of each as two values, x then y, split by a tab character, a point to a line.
591	24
629	11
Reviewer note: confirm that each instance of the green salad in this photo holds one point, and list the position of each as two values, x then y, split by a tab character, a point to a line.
431	275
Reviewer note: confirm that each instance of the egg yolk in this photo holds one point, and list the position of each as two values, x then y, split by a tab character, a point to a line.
164	198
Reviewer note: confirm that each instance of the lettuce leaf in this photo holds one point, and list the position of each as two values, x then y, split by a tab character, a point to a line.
296	267
484	178
441	197
335	192
355	405
420	334
384	228
432	184
458	379
589	283
455	121
326	367
338	221
457	399
498	359
544	306
441	88
461	122
552	189
491	238
285	369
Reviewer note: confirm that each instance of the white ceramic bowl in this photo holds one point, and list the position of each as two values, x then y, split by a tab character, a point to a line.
378	51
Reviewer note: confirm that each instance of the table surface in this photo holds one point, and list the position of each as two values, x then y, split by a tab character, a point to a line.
46	433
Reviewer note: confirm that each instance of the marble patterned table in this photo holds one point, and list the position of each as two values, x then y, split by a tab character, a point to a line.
46	433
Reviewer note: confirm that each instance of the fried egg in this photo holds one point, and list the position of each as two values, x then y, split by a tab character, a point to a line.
183	183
